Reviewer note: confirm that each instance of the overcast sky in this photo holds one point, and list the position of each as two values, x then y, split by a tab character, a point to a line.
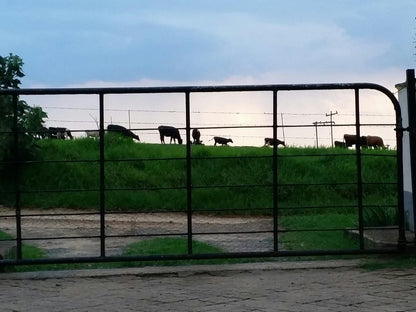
93	43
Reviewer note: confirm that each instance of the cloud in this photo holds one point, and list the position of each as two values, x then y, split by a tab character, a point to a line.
197	41
253	44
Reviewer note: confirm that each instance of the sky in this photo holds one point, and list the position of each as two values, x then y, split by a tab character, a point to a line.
91	43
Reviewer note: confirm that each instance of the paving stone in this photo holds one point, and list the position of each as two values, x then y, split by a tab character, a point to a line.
301	286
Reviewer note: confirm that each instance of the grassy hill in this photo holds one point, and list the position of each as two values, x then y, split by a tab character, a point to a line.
227	180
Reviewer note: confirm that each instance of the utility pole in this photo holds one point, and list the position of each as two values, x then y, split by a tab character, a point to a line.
331	113
316	132
129	119
321	123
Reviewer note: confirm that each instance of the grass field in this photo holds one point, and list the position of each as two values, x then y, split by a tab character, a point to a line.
228	180
316	187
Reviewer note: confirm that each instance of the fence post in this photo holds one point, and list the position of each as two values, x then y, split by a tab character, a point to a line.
408	105
411	107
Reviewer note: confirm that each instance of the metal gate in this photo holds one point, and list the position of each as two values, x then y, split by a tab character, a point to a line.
234	232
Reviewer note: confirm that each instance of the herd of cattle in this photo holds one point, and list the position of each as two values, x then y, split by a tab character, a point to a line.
174	135
364	141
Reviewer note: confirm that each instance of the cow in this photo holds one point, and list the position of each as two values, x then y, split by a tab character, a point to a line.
59	133
42	133
171	132
196	135
123	131
340	144
92	133
222	141
375	141
273	142
351	139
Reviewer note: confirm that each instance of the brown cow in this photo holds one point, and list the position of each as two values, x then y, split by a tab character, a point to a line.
375	141
351	139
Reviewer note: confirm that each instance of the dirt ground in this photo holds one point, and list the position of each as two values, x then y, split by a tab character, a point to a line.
42	227
65	233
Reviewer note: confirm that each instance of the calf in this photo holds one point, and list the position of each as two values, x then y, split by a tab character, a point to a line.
222	141
171	132
273	142
340	144
125	132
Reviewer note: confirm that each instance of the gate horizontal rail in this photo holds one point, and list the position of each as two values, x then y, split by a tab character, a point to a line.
189	186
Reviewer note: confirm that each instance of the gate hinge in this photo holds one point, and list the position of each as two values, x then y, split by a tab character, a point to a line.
408	129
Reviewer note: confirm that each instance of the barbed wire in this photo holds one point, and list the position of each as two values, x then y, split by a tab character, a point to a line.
260	137
133	125
370	114
222	125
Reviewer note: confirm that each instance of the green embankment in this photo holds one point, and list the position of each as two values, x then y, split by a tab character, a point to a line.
142	176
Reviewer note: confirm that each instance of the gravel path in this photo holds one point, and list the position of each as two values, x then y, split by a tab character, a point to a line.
39	227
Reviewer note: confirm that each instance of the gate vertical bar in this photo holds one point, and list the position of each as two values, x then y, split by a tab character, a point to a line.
411	107
275	180
102	178
359	169
188	171
400	179
17	179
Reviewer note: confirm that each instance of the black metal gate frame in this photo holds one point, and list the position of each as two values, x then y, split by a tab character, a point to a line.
187	90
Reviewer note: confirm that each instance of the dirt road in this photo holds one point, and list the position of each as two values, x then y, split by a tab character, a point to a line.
41	227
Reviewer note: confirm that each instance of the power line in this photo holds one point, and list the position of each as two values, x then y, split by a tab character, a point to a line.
211	112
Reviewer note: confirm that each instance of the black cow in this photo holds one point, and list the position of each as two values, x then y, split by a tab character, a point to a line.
196	135
273	142
124	131
222	141
351	139
171	132
340	144
57	133
42	133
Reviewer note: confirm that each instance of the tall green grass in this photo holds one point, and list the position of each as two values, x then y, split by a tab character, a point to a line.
148	177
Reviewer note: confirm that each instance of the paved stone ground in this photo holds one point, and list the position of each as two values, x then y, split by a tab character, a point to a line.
292	286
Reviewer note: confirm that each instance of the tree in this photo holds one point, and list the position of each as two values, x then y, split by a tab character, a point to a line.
10	71
29	119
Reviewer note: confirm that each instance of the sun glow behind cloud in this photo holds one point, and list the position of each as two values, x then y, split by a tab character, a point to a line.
218	113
